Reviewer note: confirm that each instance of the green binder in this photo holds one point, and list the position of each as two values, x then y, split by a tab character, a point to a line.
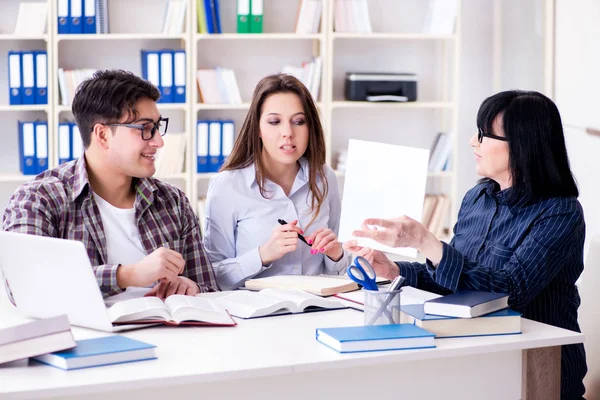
256	16
202	28
243	16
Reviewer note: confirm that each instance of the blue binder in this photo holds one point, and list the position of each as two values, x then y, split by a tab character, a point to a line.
210	16
63	16
41	146
75	16
14	77
217	15
179	79
166	76
227	139
215	148
151	66
65	148
89	16
27	158
41	77
202	147
27	77
76	142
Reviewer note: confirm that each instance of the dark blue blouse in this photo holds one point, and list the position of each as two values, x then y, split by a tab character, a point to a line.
532	250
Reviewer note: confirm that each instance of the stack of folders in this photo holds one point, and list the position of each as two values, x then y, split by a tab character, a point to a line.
33	147
82	16
356	339
170	158
439	158
69	80
214	142
28	77
175	17
435	211
165	69
309	74
352	16
35	338
309	16
32	19
70	146
209	16
249	16
218	86
100	351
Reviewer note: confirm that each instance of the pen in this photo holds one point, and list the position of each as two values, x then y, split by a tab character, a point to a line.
282	222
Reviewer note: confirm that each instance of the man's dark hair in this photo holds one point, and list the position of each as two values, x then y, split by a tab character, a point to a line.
108	96
536	143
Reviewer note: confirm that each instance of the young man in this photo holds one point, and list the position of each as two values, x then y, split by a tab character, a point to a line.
137	229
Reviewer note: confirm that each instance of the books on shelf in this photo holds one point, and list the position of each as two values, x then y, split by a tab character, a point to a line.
376	338
308	18
32	19
100	351
35	338
440	153
352	16
503	322
218	86
175	310
309	74
170	158
320	285
441	17
435	211
174	23
209	16
69	80
466	304
268	302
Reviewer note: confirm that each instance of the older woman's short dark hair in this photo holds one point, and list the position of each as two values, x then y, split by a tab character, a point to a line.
538	156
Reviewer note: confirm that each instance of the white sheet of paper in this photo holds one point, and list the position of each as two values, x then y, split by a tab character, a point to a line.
382	181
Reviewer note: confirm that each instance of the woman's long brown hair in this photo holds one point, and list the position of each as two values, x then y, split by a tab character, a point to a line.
248	145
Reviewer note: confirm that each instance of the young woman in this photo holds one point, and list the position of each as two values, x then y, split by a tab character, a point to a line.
519	231
276	171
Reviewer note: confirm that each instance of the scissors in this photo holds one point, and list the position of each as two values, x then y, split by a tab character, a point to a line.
362	273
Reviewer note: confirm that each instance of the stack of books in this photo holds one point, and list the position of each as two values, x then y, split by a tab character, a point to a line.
439	155
209	16
308	18
69	80
309	74
352	16
218	86
174	23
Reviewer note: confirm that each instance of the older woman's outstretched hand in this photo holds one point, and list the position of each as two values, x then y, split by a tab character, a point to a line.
402	232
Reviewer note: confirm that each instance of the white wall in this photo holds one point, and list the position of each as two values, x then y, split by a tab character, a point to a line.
577	86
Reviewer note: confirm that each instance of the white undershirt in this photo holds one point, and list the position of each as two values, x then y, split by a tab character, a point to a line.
123	243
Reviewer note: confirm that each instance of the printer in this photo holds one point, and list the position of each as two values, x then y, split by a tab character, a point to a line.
381	87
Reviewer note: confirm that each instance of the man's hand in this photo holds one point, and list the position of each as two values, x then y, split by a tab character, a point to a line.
180	285
161	265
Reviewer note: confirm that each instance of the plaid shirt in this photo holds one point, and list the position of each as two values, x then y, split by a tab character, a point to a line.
59	203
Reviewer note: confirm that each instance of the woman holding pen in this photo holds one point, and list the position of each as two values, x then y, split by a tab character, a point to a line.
520	231
274	209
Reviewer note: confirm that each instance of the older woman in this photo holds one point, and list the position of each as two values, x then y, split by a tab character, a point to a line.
519	231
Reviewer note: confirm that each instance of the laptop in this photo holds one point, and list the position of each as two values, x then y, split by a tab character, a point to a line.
48	277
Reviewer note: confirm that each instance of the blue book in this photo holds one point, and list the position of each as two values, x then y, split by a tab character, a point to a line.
467	304
356	339
503	322
100	351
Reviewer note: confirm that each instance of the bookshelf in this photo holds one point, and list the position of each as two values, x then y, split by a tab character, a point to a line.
397	44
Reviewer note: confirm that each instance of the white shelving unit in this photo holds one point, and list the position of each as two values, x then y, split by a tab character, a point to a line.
397	44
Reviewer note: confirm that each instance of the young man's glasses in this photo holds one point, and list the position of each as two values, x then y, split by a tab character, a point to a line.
481	134
149	129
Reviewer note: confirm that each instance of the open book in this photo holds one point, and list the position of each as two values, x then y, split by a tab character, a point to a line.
320	285
246	304
175	310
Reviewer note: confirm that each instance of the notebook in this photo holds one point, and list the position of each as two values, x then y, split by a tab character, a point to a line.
503	322
268	302
100	351
467	304
34	338
376	338
175	310
320	285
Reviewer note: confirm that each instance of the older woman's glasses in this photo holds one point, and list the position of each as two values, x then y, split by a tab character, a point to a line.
481	134
148	130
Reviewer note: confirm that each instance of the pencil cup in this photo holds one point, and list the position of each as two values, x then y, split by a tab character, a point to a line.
382	307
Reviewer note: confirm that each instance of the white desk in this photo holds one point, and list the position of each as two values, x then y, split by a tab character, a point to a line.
279	358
